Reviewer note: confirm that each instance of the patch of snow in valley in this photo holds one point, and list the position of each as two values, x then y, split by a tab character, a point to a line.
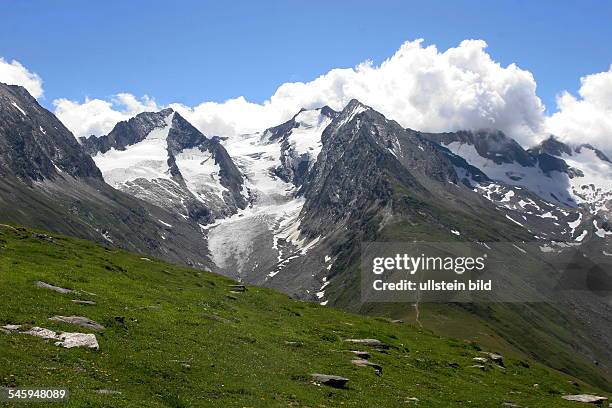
548	215
600	232
582	236
574	224
237	242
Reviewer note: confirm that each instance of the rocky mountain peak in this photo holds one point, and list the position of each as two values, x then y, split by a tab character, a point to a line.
355	104
34	144
127	132
183	135
161	158
555	147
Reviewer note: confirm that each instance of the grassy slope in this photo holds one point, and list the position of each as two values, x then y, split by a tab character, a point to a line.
188	341
502	327
553	334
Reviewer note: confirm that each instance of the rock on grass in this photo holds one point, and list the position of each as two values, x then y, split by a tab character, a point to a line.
587	398
79	321
330	380
45	285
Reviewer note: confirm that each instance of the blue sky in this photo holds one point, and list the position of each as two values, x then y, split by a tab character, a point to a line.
191	51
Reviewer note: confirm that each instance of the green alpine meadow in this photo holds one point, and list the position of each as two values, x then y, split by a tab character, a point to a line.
178	337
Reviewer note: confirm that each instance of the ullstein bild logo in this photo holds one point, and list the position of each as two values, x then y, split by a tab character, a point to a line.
479	272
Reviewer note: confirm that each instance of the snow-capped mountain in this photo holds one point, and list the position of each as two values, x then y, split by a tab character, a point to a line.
48	181
300	141
161	158
503	159
252	243
553	190
271	202
289	207
590	173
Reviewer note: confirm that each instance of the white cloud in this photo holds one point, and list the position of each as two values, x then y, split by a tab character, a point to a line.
586	118
97	116
420	87
13	73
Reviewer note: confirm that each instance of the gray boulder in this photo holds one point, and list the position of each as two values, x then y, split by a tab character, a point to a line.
79	321
586	398
330	380
369	343
44	285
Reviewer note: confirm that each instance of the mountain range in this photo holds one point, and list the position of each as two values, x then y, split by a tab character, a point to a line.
289	207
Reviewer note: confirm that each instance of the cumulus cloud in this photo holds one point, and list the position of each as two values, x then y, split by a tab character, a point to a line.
13	73
97	116
420	87
586	118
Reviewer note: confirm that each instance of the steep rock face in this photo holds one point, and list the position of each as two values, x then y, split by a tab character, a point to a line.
126	133
372	175
48	181
356	168
300	141
33	144
161	158
374	181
